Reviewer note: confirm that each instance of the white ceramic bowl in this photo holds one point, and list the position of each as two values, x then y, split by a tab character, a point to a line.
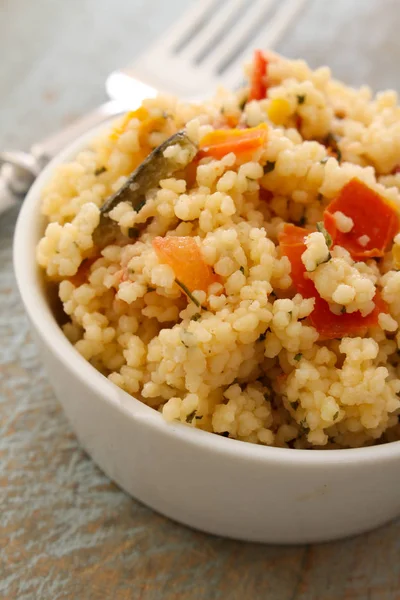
214	484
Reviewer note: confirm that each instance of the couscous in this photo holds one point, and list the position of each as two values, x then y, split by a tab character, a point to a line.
235	264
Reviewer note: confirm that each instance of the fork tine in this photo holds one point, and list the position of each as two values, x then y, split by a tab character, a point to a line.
255	17
193	20
206	47
230	66
213	33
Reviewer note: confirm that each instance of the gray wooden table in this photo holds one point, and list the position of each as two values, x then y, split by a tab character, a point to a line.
65	530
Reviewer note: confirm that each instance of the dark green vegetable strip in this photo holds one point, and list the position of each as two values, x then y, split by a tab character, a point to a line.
146	177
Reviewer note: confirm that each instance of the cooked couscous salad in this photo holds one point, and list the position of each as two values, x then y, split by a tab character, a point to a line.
236	264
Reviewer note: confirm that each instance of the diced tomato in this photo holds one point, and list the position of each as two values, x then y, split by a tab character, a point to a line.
183	255
243	142
327	324
258	83
376	221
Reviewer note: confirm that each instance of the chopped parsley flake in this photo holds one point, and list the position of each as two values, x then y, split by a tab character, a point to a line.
190	417
195	317
243	103
304	425
327	259
302	221
332	141
298	356
99	171
187	292
328	239
269	166
335	416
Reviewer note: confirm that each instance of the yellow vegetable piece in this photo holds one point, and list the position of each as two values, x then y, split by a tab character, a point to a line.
279	111
141	113
396	256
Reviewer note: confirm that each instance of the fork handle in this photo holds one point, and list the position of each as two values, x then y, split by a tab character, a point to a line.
49	147
18	170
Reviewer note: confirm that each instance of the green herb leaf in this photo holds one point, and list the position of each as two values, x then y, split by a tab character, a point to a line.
187	292
298	356
99	171
327	259
301	98
267	395
304	425
190	416
302	221
335	416
269	166
243	103
321	229
324	160
332	141
195	317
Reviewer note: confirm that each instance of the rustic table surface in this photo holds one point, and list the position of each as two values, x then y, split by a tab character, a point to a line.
65	530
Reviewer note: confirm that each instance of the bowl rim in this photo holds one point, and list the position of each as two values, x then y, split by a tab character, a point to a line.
33	296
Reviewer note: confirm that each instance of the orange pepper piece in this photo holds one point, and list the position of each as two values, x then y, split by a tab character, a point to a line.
220	142
183	255
372	215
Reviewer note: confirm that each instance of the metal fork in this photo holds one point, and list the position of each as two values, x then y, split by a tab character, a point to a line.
205	47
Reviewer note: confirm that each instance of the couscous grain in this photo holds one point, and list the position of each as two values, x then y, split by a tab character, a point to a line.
255	292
